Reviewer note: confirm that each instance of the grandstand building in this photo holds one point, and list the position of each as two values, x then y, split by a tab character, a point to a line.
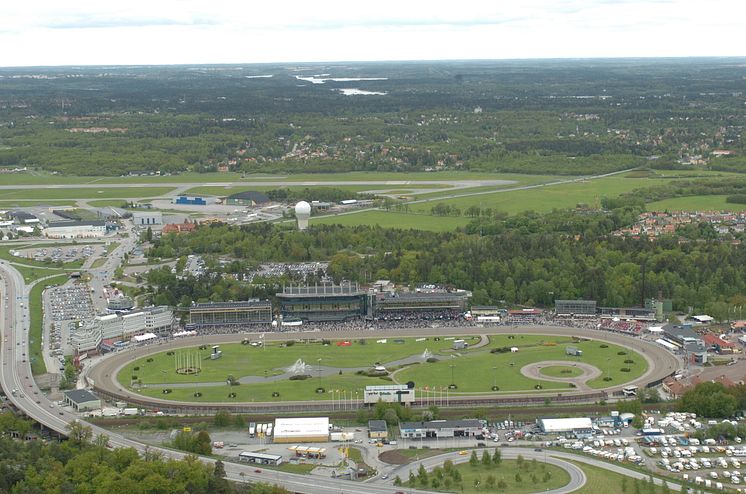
438	305
323	303
636	313
231	313
584	308
90	334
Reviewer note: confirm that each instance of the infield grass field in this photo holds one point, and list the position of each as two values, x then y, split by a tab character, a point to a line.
338	368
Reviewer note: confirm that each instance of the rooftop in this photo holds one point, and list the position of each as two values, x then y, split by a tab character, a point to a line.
80	396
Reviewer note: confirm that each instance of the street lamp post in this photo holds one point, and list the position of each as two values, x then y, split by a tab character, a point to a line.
318	361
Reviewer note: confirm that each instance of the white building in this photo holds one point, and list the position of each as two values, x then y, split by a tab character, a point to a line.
89	334
147	218
389	393
301	430
75	229
558	426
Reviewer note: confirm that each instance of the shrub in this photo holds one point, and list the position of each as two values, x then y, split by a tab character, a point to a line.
604	346
621	353
149	359
275	394
629	361
624	369
299	377
320	390
432	359
607	379
136	369
197	394
290	343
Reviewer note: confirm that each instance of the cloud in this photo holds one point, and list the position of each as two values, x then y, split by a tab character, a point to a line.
100	22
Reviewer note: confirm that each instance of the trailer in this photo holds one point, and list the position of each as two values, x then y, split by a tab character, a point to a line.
252	429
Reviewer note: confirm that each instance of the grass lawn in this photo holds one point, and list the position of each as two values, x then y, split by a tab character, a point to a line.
544	199
35	309
4	204
42	195
522	477
695	203
474	371
390	219
560	371
98	263
603	480
211	190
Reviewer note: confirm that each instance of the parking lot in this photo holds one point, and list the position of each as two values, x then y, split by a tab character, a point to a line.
61	254
63	306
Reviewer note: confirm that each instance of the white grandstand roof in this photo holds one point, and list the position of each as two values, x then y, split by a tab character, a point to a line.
566	425
144	337
301	426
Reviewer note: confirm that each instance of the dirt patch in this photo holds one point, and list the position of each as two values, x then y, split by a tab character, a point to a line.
395	457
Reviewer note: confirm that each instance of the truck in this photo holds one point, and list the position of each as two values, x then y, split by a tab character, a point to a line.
342	436
252	429
130	411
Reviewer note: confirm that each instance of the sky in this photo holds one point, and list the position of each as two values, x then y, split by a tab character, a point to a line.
144	32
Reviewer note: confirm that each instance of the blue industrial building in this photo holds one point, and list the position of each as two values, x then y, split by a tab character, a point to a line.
192	201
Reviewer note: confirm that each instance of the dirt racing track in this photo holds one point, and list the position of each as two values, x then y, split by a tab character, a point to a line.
661	363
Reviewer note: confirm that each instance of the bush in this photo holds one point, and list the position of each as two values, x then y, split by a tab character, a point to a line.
275	394
607	379
624	369
149	359
320	390
197	394
604	346
299	377
166	391
621	353
290	343
136	368
432	360
232	395
629	361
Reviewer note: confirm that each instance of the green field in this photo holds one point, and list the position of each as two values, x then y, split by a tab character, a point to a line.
35	309
391	219
221	191
695	203
519	477
4	204
53	193
474	371
546	198
560	371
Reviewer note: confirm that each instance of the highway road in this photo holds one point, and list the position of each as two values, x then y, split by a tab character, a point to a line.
18	383
16	375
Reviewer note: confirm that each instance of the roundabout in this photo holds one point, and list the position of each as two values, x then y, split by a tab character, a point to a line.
576	373
483	374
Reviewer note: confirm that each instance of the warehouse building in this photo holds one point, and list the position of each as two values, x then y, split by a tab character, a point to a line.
326	302
81	400
579	427
260	458
301	430
440	428
75	229
190	201
147	218
251	311
574	308
389	393
247	198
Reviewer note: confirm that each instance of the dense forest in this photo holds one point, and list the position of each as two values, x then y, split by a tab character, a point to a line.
522	260
548	117
82	464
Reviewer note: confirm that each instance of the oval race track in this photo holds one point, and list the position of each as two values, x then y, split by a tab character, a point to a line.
661	363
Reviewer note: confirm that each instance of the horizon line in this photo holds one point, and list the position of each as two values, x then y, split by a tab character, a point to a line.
422	60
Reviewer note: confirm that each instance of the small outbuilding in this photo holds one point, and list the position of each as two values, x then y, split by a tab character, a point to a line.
81	400
377	429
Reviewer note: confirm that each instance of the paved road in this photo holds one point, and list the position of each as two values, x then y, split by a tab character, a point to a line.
16	375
